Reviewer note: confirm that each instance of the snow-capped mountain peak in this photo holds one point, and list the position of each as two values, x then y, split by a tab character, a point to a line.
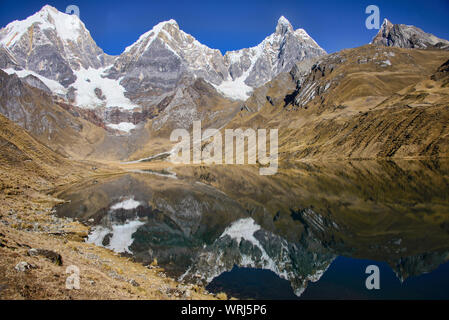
234	75
148	37
163	56
52	44
180	43
283	26
67	27
253	67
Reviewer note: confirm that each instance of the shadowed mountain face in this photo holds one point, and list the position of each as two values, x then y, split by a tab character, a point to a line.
204	221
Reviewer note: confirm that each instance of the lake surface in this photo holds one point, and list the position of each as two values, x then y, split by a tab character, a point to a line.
308	232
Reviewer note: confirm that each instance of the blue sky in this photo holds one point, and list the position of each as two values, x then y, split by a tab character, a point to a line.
230	24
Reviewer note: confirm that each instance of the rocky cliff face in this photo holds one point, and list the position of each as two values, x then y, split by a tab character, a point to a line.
442	73
7	60
277	53
403	36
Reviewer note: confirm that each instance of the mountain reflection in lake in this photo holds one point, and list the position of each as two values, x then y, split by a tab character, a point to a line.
221	226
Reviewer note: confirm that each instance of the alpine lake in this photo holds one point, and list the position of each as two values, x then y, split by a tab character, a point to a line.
308	232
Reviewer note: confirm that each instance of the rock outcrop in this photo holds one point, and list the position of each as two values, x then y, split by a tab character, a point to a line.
404	36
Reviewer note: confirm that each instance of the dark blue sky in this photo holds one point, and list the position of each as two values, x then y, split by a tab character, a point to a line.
231	24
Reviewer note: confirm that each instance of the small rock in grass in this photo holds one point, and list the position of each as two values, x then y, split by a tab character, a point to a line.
134	283
54	257
24	266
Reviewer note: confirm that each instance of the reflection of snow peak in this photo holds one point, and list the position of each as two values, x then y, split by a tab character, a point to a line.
121	234
128	204
246	244
121	238
245	229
